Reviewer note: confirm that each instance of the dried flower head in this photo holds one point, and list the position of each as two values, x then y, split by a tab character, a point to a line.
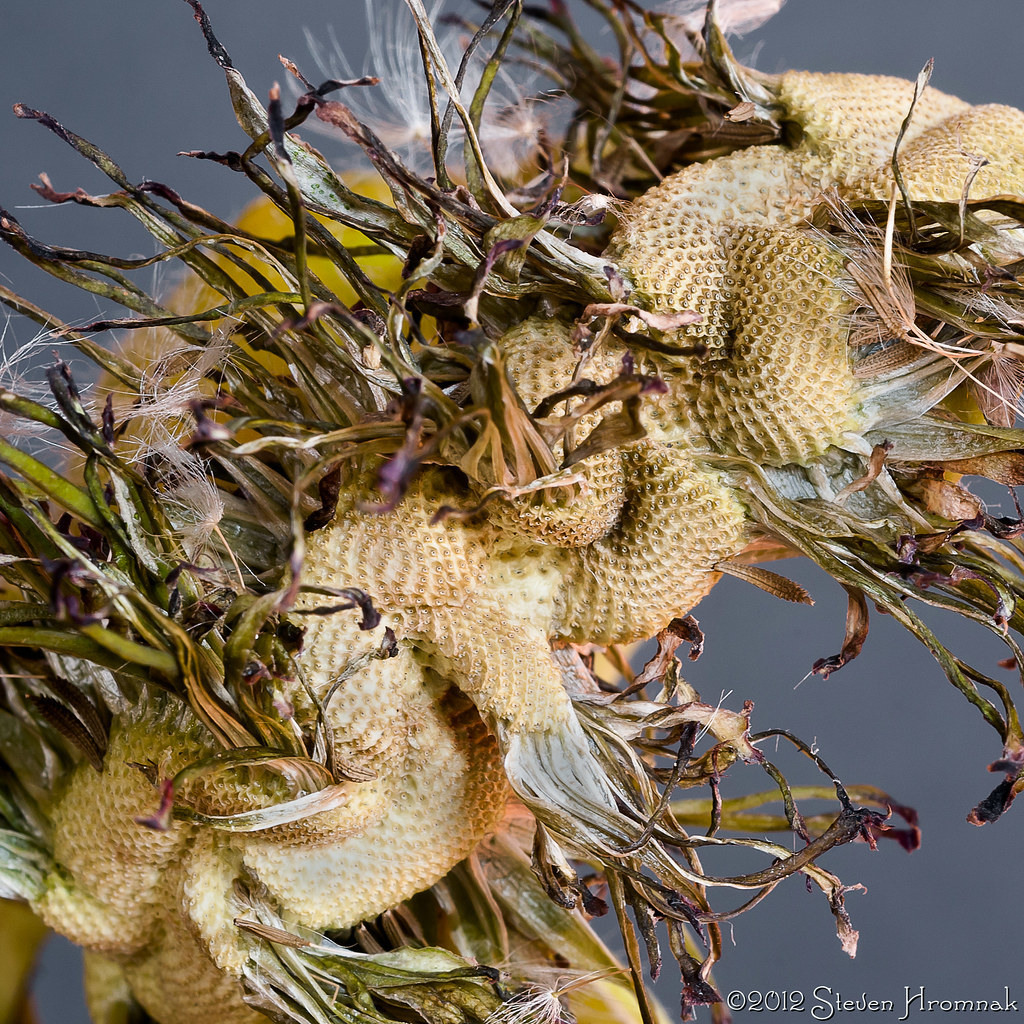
311	623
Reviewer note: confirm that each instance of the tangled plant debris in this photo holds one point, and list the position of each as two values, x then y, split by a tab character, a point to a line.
325	620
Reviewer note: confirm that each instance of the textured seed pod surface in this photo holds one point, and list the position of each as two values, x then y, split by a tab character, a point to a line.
727	239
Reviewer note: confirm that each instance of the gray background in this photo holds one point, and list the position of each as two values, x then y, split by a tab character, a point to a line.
136	79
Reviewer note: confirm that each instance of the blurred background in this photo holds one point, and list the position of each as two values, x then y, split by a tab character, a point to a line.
138	81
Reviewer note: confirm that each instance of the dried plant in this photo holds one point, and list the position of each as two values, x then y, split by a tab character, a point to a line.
318	625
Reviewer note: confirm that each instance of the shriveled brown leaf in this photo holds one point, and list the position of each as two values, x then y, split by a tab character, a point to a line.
764	579
856	634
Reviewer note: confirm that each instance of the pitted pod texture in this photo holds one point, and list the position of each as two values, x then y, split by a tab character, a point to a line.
158	904
176	980
173	980
775	382
850	122
728	240
937	163
111	879
677	523
782	391
542	360
455	592
652	561
573	515
440	793
677	239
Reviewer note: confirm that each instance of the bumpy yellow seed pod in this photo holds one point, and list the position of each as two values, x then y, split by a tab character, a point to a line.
177	980
937	164
727	239
569	516
435	787
850	122
781	389
106	896
775	384
678	239
660	519
159	903
460	597
541	359
678	522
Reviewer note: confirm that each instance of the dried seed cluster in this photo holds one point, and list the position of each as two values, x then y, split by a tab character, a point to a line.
727	240
158	903
633	542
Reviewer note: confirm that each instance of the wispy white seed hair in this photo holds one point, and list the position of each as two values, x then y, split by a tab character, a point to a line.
171	380
540	1006
542	1002
21	371
13	377
513	123
173	376
192	501
398	107
735	17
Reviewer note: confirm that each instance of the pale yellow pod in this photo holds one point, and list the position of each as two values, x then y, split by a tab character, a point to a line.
474	603
502	662
401	558
541	360
111	878
775	382
177	981
850	122
679	521
571	516
782	390
937	164
439	794
676	240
